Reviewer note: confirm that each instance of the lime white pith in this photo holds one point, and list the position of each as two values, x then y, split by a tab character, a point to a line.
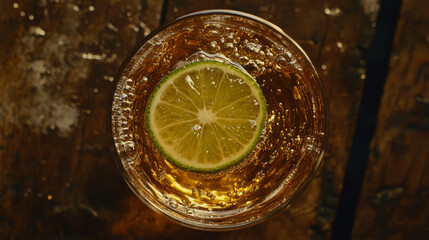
206	115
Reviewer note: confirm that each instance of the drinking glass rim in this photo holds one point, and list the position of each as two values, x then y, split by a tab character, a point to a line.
276	209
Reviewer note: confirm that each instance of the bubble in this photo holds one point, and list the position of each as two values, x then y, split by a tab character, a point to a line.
252	123
243	60
259	62
281	61
161	175
255	102
196	128
213	47
211	31
252	49
230	35
173	203
129	146
229	47
211	196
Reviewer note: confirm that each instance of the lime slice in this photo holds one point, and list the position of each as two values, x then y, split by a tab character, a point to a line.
206	116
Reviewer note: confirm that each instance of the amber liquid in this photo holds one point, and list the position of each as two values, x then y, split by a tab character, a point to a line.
280	163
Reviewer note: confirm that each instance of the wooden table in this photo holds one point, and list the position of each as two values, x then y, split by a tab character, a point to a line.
57	63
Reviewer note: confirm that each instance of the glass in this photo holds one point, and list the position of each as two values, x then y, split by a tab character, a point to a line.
287	155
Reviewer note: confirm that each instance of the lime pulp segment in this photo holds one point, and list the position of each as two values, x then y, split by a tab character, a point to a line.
206	116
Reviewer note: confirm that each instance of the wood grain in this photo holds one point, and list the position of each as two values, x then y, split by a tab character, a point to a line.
394	200
57	176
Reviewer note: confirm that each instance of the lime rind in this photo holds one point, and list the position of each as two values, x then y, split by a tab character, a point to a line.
250	147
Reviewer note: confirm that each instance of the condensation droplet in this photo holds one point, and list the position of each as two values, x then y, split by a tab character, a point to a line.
332	11
36	31
340	46
108	78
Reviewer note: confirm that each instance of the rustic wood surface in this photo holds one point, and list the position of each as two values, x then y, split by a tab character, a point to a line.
394	200
57	176
57	61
